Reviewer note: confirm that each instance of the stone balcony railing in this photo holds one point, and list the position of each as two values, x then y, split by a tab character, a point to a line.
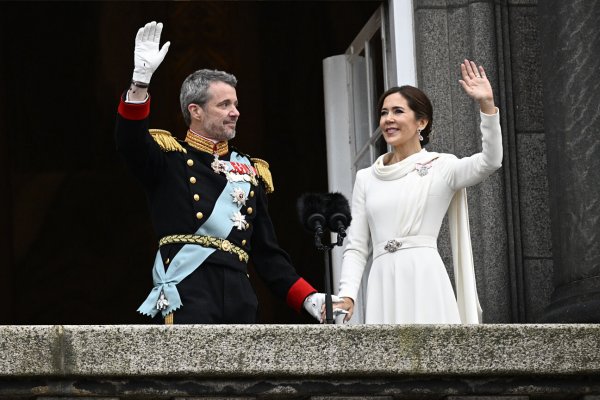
300	362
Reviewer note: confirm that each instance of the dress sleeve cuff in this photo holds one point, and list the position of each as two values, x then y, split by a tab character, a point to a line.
297	293
496	112
134	111
348	294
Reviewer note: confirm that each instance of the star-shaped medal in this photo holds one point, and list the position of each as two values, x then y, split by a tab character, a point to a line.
239	196
239	221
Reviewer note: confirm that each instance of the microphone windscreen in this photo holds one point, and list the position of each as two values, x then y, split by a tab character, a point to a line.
310	204
338	211
338	204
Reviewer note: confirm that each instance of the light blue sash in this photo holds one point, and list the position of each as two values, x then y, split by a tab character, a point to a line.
191	256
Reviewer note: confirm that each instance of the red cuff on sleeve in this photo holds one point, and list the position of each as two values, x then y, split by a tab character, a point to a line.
134	112
297	293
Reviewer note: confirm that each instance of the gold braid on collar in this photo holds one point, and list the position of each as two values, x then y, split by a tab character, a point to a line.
202	144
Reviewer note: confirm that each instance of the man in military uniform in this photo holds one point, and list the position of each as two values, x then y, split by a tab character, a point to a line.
207	201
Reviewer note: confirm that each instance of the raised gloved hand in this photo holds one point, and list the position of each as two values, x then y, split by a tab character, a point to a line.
315	302
147	56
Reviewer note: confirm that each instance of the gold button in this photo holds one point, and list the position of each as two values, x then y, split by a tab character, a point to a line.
190	162
244	242
192	180
252	193
168	260
199	215
196	197
249	210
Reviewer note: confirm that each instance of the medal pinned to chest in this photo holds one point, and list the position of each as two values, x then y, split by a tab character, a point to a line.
235	171
239	198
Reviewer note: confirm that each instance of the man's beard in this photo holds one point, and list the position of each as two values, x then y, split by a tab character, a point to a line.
224	136
219	133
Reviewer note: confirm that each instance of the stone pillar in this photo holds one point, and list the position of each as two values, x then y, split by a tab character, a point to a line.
570	41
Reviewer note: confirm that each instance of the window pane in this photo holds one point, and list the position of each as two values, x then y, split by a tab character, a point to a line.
377	84
364	161
360	106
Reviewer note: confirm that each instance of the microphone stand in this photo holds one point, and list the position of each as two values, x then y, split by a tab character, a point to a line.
326	249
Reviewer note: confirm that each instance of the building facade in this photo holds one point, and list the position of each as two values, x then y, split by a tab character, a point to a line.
534	234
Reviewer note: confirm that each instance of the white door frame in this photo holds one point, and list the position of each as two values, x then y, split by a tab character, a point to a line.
350	99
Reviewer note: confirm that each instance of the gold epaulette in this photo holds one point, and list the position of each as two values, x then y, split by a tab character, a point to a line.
166	141
263	172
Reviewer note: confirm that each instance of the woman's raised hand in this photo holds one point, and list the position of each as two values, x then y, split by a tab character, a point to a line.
477	86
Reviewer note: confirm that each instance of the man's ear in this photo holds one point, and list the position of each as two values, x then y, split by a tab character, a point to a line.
196	112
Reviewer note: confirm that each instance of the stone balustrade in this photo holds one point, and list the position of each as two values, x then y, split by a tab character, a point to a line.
300	362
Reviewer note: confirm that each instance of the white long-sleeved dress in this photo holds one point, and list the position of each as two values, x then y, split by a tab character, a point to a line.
399	208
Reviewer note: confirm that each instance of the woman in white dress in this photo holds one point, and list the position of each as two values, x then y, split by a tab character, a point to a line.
398	205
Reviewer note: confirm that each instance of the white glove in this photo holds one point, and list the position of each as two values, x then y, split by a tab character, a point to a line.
147	56
314	303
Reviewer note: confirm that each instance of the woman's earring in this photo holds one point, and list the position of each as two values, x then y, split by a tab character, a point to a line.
419	132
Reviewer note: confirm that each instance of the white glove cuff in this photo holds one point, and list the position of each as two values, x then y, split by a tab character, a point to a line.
314	302
141	75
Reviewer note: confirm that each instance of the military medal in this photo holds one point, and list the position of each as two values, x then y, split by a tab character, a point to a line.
162	302
235	171
239	221
218	166
239	196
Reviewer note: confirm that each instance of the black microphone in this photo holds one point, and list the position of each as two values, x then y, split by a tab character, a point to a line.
338	213
311	211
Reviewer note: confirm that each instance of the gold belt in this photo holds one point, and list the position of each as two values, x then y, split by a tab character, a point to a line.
206	241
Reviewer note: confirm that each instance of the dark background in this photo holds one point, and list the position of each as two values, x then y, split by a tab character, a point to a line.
76	242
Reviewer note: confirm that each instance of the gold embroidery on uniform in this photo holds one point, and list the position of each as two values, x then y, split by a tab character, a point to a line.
265	175
166	141
206	241
202	144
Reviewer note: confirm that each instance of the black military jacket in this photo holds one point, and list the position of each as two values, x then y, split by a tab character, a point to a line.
182	188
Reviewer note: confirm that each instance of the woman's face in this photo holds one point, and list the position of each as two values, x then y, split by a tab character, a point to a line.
398	122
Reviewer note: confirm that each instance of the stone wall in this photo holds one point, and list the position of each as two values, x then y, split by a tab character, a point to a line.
300	362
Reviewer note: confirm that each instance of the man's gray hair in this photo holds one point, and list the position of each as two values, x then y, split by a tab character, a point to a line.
195	89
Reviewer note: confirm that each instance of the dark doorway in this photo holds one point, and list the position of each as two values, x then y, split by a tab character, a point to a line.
77	243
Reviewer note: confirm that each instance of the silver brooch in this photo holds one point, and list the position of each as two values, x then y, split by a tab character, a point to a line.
422	169
392	245
162	302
